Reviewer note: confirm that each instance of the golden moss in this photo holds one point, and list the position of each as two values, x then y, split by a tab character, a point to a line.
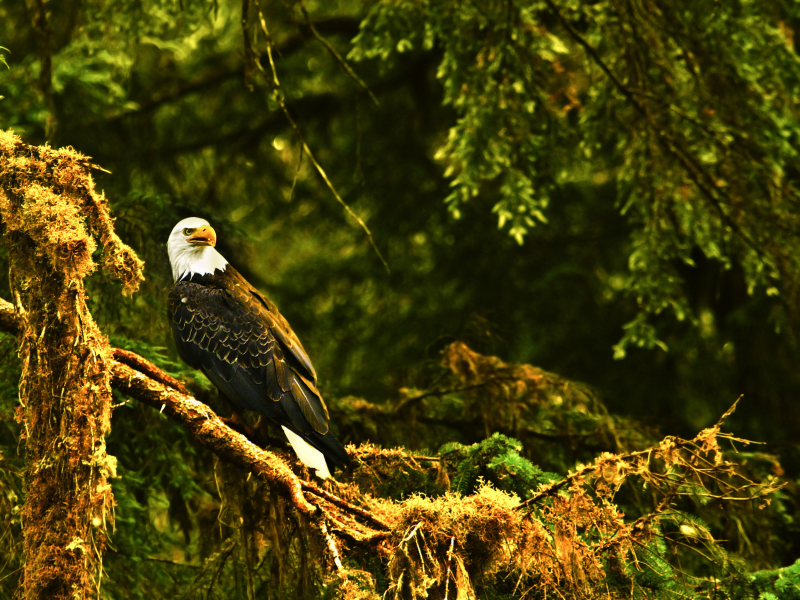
53	217
355	585
441	544
48	196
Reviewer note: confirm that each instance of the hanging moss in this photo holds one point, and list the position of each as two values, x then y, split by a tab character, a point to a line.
50	210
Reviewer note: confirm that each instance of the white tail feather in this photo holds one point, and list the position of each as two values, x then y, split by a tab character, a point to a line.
310	456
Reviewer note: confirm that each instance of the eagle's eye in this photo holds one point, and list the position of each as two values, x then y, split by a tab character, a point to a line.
188	231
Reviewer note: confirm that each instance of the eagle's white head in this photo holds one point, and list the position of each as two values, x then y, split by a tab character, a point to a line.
191	249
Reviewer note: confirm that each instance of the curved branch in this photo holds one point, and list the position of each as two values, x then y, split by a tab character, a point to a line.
210	431
141	364
137	377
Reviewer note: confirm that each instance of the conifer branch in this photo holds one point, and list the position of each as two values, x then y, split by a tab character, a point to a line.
704	181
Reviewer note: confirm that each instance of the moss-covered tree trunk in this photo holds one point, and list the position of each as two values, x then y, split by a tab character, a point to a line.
51	213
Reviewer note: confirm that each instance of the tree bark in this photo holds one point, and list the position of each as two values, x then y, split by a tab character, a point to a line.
49	208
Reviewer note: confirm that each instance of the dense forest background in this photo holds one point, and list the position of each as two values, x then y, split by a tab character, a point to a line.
607	191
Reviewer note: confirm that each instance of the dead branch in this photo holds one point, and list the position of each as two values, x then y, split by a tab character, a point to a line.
610	471
352	508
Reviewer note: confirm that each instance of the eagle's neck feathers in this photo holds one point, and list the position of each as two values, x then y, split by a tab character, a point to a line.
189	260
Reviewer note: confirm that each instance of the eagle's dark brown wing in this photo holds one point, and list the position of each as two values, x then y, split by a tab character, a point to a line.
237	337
258	303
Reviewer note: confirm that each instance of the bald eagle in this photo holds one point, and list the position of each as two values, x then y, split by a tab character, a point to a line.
235	335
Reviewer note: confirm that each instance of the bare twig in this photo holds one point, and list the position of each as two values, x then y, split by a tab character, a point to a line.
250	58
263	23
331	187
449	564
352	508
670	444
345	65
323	527
8	319
252	61
412	399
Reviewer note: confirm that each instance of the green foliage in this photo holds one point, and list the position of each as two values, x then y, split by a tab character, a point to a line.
495	460
661	211
534	87
507	136
778	583
182	135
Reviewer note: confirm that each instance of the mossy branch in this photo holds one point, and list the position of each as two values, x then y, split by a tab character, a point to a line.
210	430
52	220
434	544
140	379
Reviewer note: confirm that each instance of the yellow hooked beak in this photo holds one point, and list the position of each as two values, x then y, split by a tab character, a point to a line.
203	236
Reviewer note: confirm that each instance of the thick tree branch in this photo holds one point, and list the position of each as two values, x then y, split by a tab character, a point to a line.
234	447
143	365
139	378
8	320
210	431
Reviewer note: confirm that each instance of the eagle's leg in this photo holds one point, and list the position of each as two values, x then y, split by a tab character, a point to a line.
264	434
237	423
259	433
